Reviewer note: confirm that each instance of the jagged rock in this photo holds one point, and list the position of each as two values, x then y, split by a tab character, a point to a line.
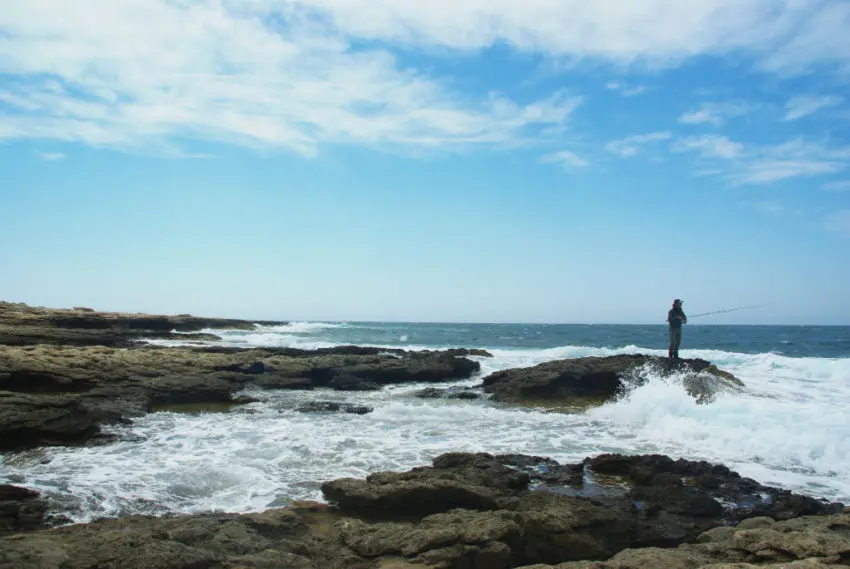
412	520
32	420
109	384
813	542
450	393
333	407
701	489
454	481
21	510
352	383
593	380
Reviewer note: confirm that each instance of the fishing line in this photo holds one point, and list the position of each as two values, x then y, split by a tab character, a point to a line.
727	310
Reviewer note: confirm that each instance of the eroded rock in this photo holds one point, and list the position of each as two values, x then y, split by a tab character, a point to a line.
61	395
594	380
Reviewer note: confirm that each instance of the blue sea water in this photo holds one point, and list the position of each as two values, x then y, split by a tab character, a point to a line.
792	341
787	427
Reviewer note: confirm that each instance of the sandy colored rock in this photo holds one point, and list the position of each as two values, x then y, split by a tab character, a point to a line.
523	523
62	395
22	325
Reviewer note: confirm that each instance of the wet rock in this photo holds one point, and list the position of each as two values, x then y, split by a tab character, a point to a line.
812	542
450	393
685	487
28	420
475	352
460	480
333	407
545	470
463	511
111	384
593	380
21	510
347	382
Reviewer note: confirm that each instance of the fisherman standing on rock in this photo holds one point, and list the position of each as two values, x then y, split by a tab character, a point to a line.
675	317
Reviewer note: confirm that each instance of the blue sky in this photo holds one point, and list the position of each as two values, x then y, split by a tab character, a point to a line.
535	161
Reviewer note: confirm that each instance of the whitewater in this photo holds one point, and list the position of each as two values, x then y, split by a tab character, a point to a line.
788	428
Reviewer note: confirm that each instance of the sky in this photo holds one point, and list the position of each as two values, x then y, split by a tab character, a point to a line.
406	160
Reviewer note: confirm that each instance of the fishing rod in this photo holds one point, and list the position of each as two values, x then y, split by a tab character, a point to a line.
727	310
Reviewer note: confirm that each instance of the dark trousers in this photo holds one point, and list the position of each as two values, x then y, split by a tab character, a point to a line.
675	341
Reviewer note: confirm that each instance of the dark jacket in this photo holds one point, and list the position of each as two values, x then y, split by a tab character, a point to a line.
676	317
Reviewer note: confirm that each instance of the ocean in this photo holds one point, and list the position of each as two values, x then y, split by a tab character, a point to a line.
788	428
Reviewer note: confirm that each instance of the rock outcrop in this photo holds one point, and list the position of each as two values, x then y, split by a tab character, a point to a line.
449	393
593	380
21	510
60	395
476	511
811	542
22	325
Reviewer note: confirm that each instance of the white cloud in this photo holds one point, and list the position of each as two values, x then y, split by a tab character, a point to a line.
626	91
297	74
715	113
631	145
146	73
818	38
709	145
840	186
634	91
661	32
839	223
743	165
803	106
51	156
566	158
766	171
793	159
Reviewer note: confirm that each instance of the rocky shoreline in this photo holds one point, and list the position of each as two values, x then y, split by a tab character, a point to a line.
65	374
23	325
476	511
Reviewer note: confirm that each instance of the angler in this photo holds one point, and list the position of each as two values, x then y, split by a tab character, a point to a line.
675	318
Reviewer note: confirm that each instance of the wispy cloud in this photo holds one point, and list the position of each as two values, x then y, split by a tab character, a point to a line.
793	159
715	113
839	186
659	32
634	91
51	156
743	165
631	145
627	91
254	74
803	106
839	223
766	171
298	74
709	145
565	158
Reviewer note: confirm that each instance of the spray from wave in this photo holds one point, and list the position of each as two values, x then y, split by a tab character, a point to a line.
785	427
